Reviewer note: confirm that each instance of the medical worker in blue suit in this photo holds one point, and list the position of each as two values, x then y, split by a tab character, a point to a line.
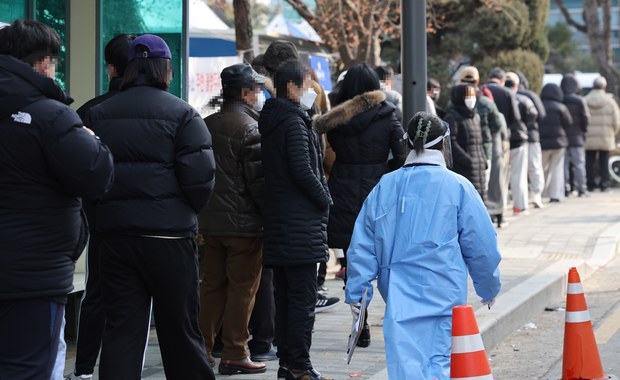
421	230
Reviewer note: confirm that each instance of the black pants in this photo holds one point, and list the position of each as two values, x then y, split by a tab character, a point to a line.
29	336
134	271
603	162
92	316
295	288
262	321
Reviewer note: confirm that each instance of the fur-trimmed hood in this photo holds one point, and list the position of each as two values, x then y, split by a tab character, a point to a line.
357	108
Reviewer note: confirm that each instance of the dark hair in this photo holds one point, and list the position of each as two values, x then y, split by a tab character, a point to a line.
384	72
432	83
288	71
116	52
278	52
523	82
497	73
359	79
29	41
424	122
153	71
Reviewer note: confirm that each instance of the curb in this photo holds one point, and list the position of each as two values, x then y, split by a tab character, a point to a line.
517	306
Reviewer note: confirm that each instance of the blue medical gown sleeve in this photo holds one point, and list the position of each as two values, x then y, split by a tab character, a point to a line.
478	242
362	264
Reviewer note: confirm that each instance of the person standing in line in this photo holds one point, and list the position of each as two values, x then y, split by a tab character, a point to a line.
466	137
493	127
534	153
386	76
421	230
92	316
49	162
231	224
297	202
553	140
575	161
518	147
147	223
363	130
433	90
601	135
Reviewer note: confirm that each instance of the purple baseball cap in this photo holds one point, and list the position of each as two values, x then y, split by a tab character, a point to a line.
156	47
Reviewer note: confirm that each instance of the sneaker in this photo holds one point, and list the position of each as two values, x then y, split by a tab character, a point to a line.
73	376
265	357
583	194
322	290
554	200
325	303
342	273
517	212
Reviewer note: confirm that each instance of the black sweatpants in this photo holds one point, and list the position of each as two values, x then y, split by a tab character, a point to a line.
134	271
295	288
92	316
29	336
262	321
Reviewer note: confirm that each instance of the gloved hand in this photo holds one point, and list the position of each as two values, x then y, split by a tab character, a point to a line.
355	311
489	303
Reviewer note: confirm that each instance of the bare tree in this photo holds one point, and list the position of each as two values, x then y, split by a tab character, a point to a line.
598	35
243	29
353	28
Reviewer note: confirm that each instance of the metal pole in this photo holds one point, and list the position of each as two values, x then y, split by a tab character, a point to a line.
413	57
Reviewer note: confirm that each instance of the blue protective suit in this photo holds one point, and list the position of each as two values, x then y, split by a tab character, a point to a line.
421	229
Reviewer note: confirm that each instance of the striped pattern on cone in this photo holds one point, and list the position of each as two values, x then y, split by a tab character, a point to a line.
469	360
581	359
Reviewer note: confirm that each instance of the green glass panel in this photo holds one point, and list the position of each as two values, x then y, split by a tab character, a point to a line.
54	14
11	10
161	17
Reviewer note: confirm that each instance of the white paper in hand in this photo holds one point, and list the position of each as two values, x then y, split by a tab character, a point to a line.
356	328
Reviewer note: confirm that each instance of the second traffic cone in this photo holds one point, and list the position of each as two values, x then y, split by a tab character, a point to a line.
468	360
581	359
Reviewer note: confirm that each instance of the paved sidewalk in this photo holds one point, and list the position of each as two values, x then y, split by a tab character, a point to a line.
537	251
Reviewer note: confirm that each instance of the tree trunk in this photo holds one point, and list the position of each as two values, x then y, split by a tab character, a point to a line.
243	29
600	43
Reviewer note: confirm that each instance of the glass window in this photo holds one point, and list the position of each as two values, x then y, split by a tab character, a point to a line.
11	10
53	13
161	17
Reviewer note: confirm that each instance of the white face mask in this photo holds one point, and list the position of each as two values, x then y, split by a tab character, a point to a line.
470	103
260	101
307	99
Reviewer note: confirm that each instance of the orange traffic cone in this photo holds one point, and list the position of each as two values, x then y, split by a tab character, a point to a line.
581	359
469	360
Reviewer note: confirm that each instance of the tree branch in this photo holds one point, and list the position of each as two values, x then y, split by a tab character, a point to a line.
569	19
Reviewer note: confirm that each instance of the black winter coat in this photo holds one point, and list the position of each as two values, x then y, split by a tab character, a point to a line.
558	119
469	159
506	102
362	131
163	162
533	129
48	162
297	199
235	209
529	114
579	111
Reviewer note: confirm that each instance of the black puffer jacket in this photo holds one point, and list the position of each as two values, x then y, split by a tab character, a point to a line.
578	109
466	136
48	161
297	199
163	163
506	102
235	209
362	132
529	113
558	119
533	129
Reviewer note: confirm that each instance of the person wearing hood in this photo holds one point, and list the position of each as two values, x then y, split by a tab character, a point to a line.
466	135
297	202
231	224
421	230
602	132
362	129
553	140
575	161
534	153
50	161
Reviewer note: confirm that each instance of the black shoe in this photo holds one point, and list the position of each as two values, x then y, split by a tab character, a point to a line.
283	373
364	339
265	357
583	194
309	374
325	303
554	200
